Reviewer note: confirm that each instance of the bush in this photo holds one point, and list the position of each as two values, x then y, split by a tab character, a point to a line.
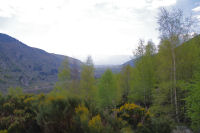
133	114
95	124
157	125
3	131
55	114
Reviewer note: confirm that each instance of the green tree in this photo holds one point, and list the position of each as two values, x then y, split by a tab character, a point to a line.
108	91
163	93
144	74
126	77
173	27
64	71
15	91
87	82
64	75
193	102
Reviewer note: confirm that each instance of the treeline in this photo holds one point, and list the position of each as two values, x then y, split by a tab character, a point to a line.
158	95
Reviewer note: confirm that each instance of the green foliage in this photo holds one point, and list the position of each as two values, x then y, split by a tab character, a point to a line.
87	83
126	82
53	113
157	125
133	114
64	76
101	105
15	91
64	71
16	115
193	102
95	124
161	101
144	72
108	92
3	131
57	114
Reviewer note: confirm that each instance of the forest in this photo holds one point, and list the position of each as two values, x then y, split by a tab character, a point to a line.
160	94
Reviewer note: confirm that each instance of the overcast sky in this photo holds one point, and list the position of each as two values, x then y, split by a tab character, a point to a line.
108	30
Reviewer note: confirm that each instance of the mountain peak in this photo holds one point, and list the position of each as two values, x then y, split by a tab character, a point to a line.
6	38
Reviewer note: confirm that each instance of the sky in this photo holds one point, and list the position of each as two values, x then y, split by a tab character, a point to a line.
108	30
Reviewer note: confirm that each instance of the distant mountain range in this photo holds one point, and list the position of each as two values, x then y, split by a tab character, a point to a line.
100	69
111	60
32	68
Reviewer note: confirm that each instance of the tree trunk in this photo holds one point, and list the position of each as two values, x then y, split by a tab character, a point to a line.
171	76
174	82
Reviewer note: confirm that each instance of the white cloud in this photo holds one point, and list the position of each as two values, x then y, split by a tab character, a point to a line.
82	27
161	3
196	9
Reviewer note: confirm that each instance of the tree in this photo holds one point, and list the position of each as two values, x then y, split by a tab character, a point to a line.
75	78
15	91
64	75
64	71
87	83
173	27
144	74
108	92
139	52
193	101
126	77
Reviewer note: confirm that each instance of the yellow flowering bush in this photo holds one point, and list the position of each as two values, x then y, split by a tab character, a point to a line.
95	124
83	112
134	114
29	99
3	131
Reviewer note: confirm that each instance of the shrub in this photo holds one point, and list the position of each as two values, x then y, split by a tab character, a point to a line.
95	124
3	131
133	114
55	114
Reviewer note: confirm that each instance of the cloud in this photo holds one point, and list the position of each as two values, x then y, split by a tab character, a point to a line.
196	9
74	27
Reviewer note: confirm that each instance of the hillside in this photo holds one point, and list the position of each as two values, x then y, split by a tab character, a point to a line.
35	69
30	68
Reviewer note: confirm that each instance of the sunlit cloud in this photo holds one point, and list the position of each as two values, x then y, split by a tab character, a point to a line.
196	9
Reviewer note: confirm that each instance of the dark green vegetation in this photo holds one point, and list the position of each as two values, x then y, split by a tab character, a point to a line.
160	94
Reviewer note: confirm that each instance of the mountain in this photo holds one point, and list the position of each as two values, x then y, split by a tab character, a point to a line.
130	62
100	69
28	67
34	69
111	60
